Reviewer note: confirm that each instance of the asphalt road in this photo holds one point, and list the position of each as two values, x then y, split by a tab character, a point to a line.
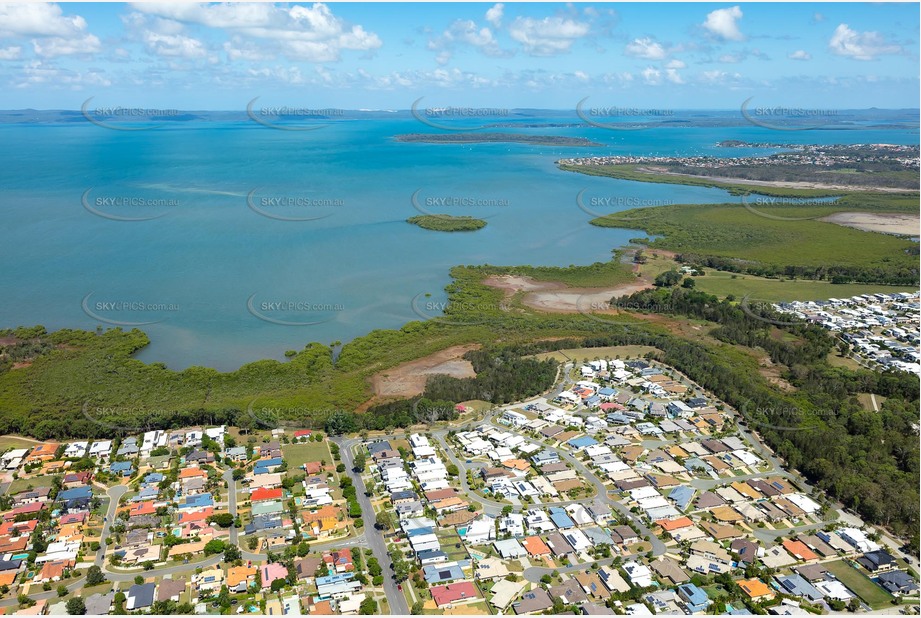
375	539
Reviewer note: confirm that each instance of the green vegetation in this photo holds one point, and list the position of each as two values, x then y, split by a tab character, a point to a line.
599	274
732	238
630	172
296	455
447	223
722	284
841	448
872	595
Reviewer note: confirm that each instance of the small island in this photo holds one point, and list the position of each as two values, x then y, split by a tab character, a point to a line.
447	223
477	138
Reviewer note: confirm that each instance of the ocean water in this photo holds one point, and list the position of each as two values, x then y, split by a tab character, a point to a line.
214	271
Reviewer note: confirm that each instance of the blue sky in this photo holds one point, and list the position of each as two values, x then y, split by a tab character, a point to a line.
385	56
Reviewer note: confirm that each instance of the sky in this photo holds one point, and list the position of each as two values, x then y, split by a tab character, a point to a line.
512	55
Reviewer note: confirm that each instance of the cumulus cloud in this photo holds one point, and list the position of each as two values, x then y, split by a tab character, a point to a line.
675	64
723	24
646	48
549	36
860	45
52	32
464	32
652	76
311	33
799	54
494	14
10	53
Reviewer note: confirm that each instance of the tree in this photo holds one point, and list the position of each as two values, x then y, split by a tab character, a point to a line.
232	553
139	579
278	584
238	474
76	607
688	283
360	462
252	543
384	520
546	579
215	546
62	590
94	576
368	607
669	278
417	608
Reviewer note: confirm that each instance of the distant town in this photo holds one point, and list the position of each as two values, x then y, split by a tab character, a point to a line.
627	489
879	330
816	155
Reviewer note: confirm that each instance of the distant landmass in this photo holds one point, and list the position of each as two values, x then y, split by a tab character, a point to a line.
477	138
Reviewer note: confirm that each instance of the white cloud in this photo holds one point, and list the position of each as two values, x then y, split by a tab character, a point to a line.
39	19
310	33
860	45
675	64
464	32
673	76
723	24
59	46
730	58
549	36
646	48
799	54
494	14
41	73
652	76
713	77
55	34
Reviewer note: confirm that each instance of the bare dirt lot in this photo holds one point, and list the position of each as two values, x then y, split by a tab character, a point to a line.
886	222
556	297
408	379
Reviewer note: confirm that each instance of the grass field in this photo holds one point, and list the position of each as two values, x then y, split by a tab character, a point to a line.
860	584
298	454
843	361
866	400
720	283
623	351
23	484
11	442
732	231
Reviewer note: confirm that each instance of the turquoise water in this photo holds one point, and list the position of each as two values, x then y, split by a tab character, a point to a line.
209	252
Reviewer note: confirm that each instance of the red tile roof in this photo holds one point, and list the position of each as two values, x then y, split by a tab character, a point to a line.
450	593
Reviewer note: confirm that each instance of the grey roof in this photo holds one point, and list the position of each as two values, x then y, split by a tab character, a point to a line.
170	588
533	601
99	604
143	595
594	609
897	581
797	585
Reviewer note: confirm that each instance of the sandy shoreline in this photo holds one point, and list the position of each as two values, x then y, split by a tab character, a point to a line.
903	224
